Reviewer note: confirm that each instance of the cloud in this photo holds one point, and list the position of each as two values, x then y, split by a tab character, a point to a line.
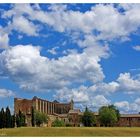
4	93
128	84
91	31
24	64
77	95
4	39
125	83
96	95
104	88
102	22
127	107
22	25
82	98
137	48
137	101
53	51
33	72
99	100
19	22
123	105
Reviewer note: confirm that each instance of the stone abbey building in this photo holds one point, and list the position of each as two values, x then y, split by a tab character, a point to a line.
50	108
65	112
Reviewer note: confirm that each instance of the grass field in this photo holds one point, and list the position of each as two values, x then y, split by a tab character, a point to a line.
71	131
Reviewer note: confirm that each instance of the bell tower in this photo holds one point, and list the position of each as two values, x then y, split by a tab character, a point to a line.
71	104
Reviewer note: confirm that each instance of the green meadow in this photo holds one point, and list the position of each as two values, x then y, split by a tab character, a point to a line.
71	132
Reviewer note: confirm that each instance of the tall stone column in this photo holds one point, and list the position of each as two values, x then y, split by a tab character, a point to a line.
48	107
61	109
53	108
36	104
42	106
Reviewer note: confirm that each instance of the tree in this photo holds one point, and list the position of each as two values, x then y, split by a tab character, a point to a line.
3	118
116	110
107	116
58	123
13	119
33	117
20	119
8	118
88	119
17	120
40	118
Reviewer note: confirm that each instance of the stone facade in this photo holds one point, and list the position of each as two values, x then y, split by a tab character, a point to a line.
44	106
129	120
74	117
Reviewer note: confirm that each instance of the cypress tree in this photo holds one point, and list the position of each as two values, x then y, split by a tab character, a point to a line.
33	117
8	118
20	119
17	120
23	120
13	121
3	118
88	119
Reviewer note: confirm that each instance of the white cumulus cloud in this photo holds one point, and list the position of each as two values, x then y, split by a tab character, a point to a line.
127	107
31	71
128	83
23	25
4	38
137	48
102	22
6	93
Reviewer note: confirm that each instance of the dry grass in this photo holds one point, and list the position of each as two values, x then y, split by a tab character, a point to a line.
72	132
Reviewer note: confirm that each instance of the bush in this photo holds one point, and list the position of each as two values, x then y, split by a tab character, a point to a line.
88	119
58	123
40	118
107	116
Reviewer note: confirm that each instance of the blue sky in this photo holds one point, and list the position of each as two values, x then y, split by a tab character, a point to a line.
86	52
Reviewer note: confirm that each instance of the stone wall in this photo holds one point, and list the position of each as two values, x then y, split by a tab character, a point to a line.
129	122
44	106
23	105
50	108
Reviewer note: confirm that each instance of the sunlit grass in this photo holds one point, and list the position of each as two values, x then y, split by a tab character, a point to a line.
71	131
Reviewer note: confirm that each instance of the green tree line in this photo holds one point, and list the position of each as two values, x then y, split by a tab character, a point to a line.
108	116
7	120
